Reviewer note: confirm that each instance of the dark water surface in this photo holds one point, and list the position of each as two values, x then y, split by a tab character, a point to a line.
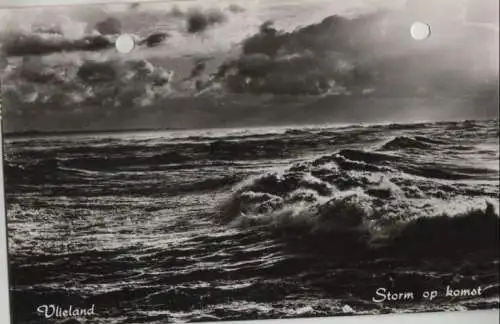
253	224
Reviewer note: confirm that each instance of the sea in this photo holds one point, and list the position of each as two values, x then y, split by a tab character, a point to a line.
257	223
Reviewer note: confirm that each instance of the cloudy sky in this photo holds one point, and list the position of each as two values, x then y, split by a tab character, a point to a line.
247	63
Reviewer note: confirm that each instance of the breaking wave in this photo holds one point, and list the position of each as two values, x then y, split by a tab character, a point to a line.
367	198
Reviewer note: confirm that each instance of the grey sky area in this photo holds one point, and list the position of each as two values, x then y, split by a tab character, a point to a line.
201	64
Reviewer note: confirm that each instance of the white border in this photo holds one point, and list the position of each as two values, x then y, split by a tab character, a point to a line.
483	317
4	278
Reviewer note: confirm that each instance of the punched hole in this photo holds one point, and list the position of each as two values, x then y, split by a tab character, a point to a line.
420	31
124	44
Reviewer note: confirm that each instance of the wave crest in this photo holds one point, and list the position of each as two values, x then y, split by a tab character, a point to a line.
416	142
355	194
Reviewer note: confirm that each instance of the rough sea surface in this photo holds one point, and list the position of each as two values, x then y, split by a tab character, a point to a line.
232	224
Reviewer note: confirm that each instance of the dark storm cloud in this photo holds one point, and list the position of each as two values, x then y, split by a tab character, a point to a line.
71	85
21	44
124	83
33	71
313	60
42	43
42	29
234	8
333	34
46	38
154	39
198	20
110	26
342	55
96	72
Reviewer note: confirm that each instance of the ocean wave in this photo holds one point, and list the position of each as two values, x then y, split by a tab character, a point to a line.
376	161
360	197
414	126
102	163
66	170
37	171
112	163
124	157
405	142
474	230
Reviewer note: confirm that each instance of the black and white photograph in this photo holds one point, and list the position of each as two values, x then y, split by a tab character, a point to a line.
223	160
